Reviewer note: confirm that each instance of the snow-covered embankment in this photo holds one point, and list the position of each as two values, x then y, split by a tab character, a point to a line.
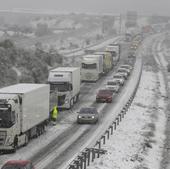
138	141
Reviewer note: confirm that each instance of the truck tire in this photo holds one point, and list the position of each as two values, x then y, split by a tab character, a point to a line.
71	103
26	139
75	99
15	144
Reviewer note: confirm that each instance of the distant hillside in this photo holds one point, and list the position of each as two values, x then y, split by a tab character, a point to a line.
19	65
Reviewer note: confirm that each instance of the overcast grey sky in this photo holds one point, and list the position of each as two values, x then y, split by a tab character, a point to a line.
93	6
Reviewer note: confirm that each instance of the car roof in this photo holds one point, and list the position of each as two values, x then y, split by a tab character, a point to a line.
88	107
117	74
19	162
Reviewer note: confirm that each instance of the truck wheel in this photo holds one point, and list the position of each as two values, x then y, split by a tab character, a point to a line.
71	103
15	144
26	139
75	99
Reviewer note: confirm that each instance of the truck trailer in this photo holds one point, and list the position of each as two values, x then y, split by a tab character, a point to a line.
65	82
115	50
107	60
24	113
91	67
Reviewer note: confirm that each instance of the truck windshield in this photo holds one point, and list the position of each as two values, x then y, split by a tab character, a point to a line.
114	54
7	118
61	87
89	66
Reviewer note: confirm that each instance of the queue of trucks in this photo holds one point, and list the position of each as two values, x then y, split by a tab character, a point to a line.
98	63
25	108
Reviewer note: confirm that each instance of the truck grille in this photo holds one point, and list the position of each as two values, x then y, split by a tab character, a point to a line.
2	137
89	76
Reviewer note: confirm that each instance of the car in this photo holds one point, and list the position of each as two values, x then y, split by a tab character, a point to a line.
105	95
18	164
121	70
123	74
113	85
126	66
119	78
87	115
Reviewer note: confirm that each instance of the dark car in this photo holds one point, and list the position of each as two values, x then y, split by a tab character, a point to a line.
87	115
18	164
121	70
105	95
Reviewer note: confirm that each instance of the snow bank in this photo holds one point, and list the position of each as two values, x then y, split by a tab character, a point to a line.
138	141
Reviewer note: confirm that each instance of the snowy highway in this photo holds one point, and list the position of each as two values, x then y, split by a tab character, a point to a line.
62	143
69	136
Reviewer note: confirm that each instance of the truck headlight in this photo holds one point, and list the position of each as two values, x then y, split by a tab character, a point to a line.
67	101
9	140
79	117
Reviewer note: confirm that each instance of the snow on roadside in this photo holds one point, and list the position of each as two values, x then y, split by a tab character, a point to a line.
138	141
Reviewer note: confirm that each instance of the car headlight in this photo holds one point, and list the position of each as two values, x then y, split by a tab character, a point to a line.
92	117
67	101
79	116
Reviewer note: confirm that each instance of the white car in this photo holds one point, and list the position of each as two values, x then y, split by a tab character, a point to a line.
126	66
119	78
123	74
113	85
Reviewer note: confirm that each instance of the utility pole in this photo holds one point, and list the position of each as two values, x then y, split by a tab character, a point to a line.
120	24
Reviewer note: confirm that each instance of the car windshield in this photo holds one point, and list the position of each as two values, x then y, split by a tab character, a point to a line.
88	110
121	70
117	76
111	83
12	166
106	91
125	66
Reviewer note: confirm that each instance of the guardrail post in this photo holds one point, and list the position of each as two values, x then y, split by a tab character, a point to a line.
115	124
88	156
77	163
71	166
93	154
117	119
107	132
111	127
127	105
104	139
122	112
85	158
99	143
124	109
120	117
81	162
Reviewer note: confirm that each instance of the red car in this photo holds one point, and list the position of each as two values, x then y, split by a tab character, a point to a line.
18	164
105	95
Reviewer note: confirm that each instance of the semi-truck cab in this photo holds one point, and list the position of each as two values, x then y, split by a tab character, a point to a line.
65	81
91	67
115	51
24	112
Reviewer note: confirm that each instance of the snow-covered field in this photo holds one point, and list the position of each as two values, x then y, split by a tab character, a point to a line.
138	142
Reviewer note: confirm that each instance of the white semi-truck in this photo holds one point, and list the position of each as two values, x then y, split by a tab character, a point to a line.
91	67
24	113
65	81
115	50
